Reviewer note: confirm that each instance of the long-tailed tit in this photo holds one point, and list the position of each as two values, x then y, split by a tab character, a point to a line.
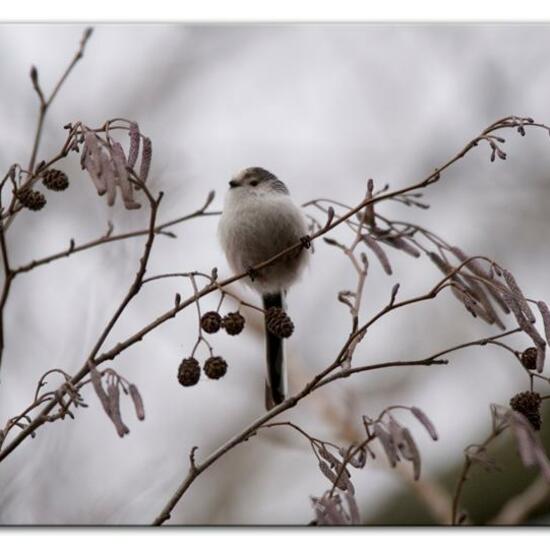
260	220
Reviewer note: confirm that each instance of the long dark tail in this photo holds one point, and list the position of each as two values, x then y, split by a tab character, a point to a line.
275	387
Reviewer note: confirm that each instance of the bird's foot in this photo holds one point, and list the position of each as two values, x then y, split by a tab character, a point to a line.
252	273
306	241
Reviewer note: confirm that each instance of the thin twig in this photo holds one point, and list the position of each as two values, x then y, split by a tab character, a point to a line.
45	103
462	478
91	361
321	378
309	388
73	249
139	335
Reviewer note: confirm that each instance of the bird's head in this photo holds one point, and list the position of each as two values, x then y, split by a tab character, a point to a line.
257	181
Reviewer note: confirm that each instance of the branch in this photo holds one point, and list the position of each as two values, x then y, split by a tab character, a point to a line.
509	122
91	362
45	103
431	360
11	211
315	383
107	238
309	388
44	106
456	519
8	278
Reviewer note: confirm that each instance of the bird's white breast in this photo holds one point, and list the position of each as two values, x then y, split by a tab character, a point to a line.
256	226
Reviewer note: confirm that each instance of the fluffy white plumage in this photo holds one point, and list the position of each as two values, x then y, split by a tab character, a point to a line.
260	220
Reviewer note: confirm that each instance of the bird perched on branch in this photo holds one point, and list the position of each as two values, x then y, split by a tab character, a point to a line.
259	221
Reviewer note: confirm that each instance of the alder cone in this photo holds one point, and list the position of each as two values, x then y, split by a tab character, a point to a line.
189	372
278	322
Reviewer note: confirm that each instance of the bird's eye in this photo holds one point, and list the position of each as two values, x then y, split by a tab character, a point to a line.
253	183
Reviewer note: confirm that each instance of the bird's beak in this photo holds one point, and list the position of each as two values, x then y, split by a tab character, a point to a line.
234	183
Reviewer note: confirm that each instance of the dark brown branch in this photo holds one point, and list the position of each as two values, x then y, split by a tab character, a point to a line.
468	463
43	415
73	249
316	383
138	336
13	209
8	278
45	103
431	360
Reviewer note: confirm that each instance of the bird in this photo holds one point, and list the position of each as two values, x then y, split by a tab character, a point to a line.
259	220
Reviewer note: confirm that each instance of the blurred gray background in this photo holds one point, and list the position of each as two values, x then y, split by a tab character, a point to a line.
324	107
